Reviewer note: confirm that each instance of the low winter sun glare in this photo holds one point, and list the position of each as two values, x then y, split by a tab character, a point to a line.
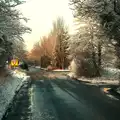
41	14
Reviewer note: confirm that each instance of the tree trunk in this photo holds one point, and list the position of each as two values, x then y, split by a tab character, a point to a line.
99	54
94	58
95	64
40	61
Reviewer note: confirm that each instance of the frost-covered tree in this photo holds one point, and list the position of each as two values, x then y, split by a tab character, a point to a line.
10	25
19	50
106	13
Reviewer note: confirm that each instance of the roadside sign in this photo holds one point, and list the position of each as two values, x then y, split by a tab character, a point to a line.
14	63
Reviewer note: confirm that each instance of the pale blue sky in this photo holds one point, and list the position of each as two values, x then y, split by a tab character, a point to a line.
41	14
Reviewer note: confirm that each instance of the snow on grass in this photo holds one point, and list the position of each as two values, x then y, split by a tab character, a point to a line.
8	89
96	81
100	81
62	70
37	67
72	75
111	73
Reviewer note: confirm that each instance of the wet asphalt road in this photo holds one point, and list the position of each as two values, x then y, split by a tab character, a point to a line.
62	99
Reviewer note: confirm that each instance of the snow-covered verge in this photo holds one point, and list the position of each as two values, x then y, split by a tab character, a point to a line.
111	73
37	67
100	81
8	89
118	90
60	70
97	80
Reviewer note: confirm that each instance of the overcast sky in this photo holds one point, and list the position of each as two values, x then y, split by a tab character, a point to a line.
41	14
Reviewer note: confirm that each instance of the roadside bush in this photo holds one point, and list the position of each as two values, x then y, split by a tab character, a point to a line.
117	63
83	65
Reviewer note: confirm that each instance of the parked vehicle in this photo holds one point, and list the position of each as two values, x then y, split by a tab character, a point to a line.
24	65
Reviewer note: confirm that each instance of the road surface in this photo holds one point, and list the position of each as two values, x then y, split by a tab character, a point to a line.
62	99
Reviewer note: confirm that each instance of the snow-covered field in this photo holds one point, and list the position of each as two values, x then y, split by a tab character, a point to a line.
8	89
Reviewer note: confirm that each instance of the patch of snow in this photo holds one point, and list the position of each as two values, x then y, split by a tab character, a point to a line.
111	73
62	70
72	75
95	81
62	77
99	81
37	67
112	97
118	90
9	88
112	69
